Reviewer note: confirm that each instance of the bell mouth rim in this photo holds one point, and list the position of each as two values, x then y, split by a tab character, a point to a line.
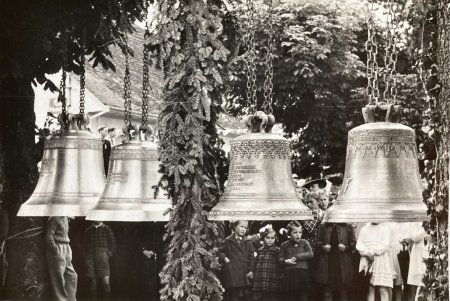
124	215
36	210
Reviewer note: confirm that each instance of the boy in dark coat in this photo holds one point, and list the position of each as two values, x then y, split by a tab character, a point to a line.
100	245
237	254
334	267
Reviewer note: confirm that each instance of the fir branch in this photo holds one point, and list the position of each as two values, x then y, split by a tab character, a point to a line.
184	31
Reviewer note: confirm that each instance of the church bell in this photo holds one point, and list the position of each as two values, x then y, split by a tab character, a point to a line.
71	179
381	181
129	193
260	185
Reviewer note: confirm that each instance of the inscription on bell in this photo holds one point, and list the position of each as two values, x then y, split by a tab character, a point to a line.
47	166
239	176
117	177
246	169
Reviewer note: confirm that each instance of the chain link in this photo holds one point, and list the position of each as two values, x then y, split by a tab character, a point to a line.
390	55
83	73
387	59
127	87
389	73
62	83
372	89
246	37
268	82
145	79
393	54
251	58
62	92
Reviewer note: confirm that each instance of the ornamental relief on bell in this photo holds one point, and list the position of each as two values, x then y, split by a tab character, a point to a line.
93	144
385	150
127	200
273	213
377	135
260	149
131	154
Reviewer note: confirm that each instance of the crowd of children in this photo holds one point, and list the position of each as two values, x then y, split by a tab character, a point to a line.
316	261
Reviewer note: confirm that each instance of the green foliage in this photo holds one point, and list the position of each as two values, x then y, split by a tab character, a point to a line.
187	41
315	67
434	72
33	35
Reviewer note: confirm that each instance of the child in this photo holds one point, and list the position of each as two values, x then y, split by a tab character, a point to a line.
100	245
294	256
333	249
396	246
415	237
266	284
237	254
62	276
374	244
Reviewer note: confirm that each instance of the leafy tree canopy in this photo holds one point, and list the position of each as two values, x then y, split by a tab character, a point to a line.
34	33
315	67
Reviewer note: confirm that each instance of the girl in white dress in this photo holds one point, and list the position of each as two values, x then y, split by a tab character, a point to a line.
396	247
374	244
416	238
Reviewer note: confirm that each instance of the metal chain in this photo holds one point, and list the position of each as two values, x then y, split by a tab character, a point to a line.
390	57
62	92
145	79
251	60
393	54
268	82
62	83
387	51
127	87
372	89
246	39
83	73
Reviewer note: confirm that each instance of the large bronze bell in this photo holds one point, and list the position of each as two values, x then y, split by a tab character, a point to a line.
260	185
381	180
129	193
72	176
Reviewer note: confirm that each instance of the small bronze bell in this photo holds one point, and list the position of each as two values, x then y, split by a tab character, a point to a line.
72	176
381	180
260	185
129	194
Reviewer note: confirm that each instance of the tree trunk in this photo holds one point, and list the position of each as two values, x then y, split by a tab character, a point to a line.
27	272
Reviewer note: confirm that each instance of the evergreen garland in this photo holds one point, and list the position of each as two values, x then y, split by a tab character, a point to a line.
436	195
188	43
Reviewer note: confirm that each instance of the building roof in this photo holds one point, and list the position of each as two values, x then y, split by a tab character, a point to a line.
108	85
